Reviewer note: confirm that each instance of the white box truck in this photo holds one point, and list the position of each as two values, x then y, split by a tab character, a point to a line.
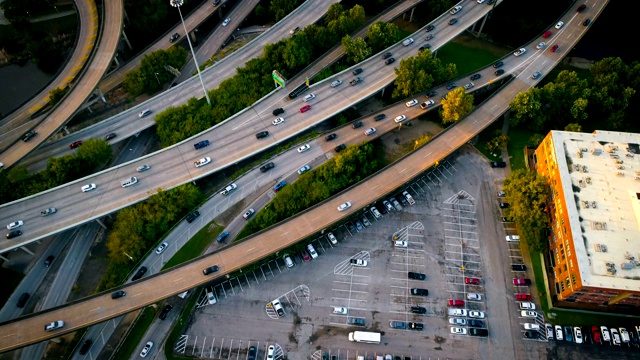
365	337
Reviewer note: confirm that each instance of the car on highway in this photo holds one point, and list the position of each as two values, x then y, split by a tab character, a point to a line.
304	169
309	97
453	21
358	262
416	275
28	135
277	111
226	22
14	233
210	270
430	27
344	206
330	137
336	83
400	118
355	81
457	321
560	24
357	71
469	85
294	30
223	235
142	168
75	144
455	302
48	261
581	8
386	55
528	314
476	314
165	311
144	113
424	47
499	72
202	162
228	189
427	104
451	86
547	34
139	274
474	296
88	187
266	167
305	108
248	214
357	124
521	281
340	147
498	64
541	45
429	37
304	148
161	248
411	103
431	94
118	294
15	225
554	48
279	185
370	131
498	164
475	77
389	61
586	22
458	330
455	9
523	297
519	52
419	292
472	281
192	216
146	349
262	134
536	75
407	42
54	325
277	121
174	37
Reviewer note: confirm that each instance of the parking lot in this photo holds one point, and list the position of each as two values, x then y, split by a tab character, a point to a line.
443	242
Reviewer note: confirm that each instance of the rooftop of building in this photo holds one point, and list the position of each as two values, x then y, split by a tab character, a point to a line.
602	172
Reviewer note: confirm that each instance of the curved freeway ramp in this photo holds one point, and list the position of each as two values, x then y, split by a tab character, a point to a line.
16	123
81	90
92	310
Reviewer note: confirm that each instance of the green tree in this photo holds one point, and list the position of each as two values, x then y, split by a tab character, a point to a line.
535	140
575	127
528	192
498	143
280	8
381	35
579	109
527	108
613	87
94	152
456	105
297	52
419	73
355	49
334	12
57	94
151	73
149	15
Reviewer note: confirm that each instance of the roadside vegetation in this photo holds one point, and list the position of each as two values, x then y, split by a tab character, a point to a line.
153	71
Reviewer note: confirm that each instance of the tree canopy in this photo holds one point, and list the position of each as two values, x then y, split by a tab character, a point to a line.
152	72
356	49
418	73
456	105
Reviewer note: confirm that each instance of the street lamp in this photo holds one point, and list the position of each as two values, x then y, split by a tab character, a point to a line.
177	4
129	256
157	78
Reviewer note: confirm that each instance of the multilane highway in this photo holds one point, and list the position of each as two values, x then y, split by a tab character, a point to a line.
101	307
231	141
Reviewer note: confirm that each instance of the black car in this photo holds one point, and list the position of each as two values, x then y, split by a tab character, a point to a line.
216	2
201	144
475	323
357	124
22	300
429	37
518	267
262	134
340	147
14	233
48	261
416	275
118	294
359	225
581	8
253	353
28	135
379	117
504	205
389	61
165	311
192	216
475	77
431	94
530	334
266	167
490	2
140	273
109	136
210	270
174	37
419	292
330	137
424	47
386	55
418	310
453	21
586	22
499	72
451	86
430	27
415	326
381	208
498	64
356	321
352	228
402	200
498	164
356	71
86	346
479	332
278	111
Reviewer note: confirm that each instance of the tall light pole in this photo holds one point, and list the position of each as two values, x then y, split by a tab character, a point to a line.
177	4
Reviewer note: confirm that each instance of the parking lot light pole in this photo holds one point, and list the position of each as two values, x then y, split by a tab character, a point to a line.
177	4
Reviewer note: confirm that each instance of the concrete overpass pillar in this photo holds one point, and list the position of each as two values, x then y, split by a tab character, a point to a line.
66	130
4	258
100	94
101	223
484	20
411	16
24	248
126	39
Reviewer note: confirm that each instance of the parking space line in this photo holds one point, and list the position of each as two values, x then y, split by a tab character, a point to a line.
211	351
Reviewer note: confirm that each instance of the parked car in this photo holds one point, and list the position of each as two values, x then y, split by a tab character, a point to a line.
418	310
454	302
472	281
358	262
419	292
521	281
416	275
523	297
356	321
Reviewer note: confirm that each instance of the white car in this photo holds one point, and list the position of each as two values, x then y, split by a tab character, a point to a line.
304	169
370	131
88	187
519	52
528	314
231	187
459	331
312	251
474	296
480	1
469	86
541	46
304	148
400	118
615	336
549	329
336	83
15	225
270	352
226	22
455	10
527	306
359	262
145	350
408	42
457	321
277	121
512	238
559	333
400	243
340	310
531	326
427	104
559	25
144	113
577	335
344	206
161	248
476	314
411	103
202	162
309	97
332	238
605	333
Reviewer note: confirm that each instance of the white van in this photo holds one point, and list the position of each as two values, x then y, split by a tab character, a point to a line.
128	182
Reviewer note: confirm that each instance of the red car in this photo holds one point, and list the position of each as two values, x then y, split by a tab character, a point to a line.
596	334
305	108
305	256
456	303
517	281
547	34
75	144
554	48
523	297
472	281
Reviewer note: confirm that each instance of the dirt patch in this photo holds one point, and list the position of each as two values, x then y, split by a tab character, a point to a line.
482	42
402	140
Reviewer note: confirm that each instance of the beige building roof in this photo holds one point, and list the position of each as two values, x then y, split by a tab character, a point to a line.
602	172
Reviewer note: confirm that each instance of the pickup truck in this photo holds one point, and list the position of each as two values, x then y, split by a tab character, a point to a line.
355	81
229	189
48	211
408	197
